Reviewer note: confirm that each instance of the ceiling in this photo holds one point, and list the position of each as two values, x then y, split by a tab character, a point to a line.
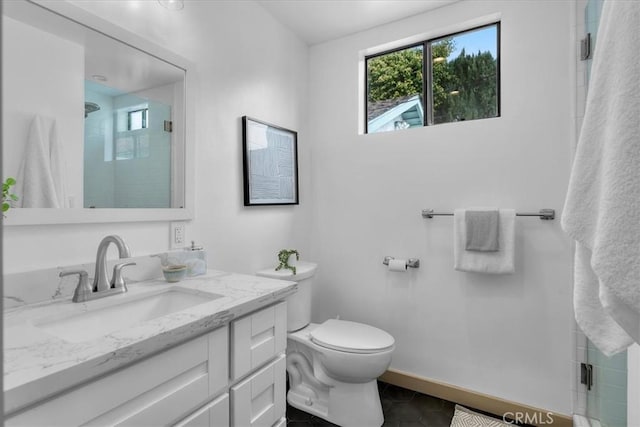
127	69
317	21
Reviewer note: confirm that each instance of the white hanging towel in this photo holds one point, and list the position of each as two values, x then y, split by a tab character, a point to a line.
602	209
498	262
40	182
58	166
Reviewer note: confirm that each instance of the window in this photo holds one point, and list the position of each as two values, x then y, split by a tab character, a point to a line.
459	81
133	143
137	119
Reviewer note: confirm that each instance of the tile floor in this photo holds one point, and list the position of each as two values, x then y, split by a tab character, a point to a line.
401	407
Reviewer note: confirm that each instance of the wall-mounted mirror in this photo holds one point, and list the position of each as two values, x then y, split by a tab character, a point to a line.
94	119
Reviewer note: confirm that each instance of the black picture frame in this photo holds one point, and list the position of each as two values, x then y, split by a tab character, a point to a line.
269	163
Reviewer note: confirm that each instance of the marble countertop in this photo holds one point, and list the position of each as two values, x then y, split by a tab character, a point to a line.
38	364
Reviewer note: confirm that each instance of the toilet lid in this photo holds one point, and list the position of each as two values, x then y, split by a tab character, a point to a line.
351	337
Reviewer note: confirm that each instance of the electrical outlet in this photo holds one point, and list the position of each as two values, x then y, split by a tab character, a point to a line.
177	236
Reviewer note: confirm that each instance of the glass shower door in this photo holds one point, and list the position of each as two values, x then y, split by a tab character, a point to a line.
143	163
607	396
128	150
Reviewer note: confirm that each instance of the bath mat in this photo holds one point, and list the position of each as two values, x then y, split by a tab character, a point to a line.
464	417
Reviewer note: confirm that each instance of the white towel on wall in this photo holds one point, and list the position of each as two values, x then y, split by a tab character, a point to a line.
58	167
602	209
590	314
500	262
40	182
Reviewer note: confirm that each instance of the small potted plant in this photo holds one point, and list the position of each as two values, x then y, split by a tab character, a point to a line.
7	197
285	256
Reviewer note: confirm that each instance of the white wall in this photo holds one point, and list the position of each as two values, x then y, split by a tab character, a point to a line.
246	63
507	336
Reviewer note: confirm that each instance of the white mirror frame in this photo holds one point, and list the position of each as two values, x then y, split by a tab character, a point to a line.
35	216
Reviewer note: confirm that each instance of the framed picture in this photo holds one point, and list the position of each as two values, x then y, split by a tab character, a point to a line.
270	164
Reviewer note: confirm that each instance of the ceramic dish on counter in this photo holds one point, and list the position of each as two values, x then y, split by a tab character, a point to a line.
174	273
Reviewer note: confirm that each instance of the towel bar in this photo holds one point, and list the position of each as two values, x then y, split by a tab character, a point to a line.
545	214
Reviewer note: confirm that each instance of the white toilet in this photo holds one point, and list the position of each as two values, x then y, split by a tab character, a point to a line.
332	366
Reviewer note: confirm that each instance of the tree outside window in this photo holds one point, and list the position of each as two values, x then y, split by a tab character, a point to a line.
461	81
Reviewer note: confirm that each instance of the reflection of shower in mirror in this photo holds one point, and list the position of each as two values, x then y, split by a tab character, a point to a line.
90	107
118	155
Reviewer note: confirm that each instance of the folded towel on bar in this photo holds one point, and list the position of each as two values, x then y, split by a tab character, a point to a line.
602	209
500	262
482	230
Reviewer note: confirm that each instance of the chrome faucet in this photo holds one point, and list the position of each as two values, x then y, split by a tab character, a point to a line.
101	278
102	287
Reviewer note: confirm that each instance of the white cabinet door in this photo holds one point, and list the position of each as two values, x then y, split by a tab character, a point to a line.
259	400
257	338
213	414
156	391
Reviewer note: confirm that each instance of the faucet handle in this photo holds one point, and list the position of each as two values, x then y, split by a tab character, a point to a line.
83	290
117	281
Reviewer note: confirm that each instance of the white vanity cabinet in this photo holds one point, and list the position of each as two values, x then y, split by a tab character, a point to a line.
212	414
258	368
231	376
259	400
156	391
257	338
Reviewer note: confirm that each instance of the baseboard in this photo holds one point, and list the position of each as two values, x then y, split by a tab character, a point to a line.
483	402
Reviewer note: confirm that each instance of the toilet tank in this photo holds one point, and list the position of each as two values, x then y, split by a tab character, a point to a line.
298	304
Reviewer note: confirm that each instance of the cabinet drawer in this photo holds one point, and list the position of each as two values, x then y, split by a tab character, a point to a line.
257	338
155	391
213	414
259	400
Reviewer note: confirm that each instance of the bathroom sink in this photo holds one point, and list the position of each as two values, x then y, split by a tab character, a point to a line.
121	312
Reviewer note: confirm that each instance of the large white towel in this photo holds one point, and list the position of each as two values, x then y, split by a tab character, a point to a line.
590	314
40	182
500	262
602	209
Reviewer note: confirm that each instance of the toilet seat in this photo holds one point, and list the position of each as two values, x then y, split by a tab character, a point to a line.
351	337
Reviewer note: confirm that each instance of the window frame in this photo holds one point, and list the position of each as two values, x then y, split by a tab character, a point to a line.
427	73
145	119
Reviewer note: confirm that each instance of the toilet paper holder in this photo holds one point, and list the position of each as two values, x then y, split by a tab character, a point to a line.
411	262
